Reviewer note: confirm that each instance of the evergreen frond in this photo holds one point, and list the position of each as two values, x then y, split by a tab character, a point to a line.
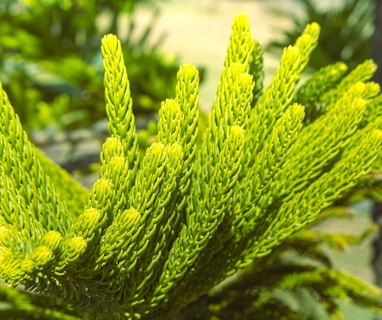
160	230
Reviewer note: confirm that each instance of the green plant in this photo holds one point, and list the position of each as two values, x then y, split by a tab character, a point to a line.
295	281
346	36
51	66
157	232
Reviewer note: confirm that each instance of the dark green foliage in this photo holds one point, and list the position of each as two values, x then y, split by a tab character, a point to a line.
22	305
346	36
51	66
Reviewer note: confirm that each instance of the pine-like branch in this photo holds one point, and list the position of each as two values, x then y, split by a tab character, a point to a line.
161	230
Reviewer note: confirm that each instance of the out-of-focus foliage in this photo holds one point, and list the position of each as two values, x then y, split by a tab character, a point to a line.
50	62
297	281
346	36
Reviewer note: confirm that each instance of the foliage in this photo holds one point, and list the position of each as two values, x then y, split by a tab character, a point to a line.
158	231
346	36
295	281
51	66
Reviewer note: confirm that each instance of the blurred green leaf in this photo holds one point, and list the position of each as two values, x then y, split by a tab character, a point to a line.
346	36
50	47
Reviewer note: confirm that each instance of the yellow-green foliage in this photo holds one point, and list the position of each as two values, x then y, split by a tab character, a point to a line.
158	231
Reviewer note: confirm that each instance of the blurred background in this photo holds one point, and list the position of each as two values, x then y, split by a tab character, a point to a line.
51	68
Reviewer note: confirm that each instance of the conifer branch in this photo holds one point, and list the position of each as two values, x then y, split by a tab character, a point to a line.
156	232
